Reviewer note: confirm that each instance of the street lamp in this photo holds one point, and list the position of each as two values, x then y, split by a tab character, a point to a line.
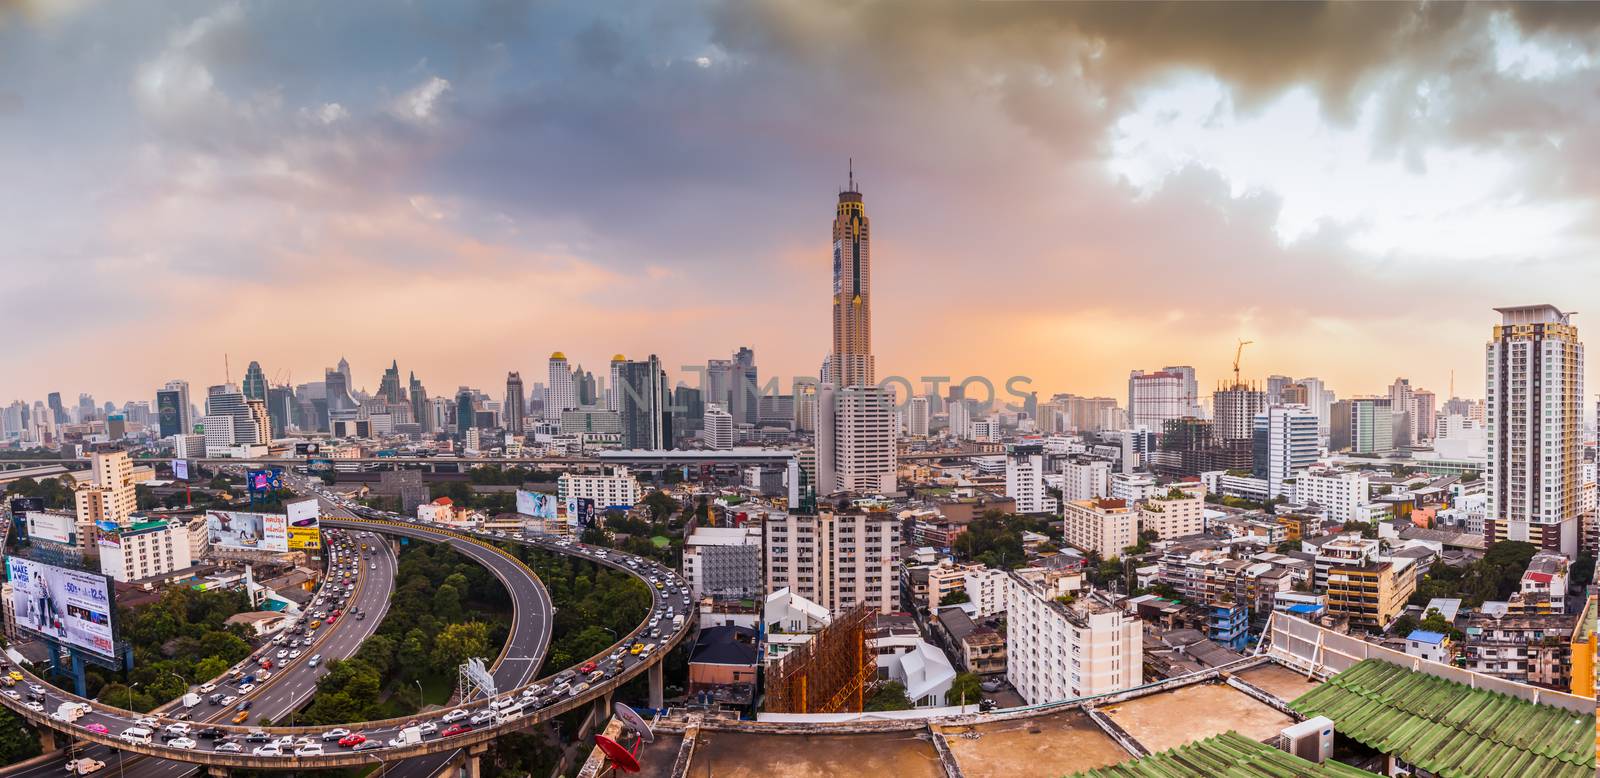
421	703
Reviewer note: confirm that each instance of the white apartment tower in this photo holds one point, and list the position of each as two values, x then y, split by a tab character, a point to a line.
856	428
559	395
1154	398
718	432
1285	445
837	560
917	416
1025	481
1057	651
1534	380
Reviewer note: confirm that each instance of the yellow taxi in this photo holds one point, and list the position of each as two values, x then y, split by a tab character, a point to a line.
238	718
15	676
637	647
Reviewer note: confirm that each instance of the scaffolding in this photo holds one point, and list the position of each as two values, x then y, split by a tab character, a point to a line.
830	673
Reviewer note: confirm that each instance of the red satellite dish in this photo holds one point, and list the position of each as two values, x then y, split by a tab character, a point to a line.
634	722
617	754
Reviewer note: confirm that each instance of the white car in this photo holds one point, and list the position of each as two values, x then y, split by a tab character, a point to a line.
335	733
427	728
228	745
309	749
207	688
229	700
148	722
482	717
295	654
283	654
454	716
246	688
270	749
182	742
36	707
178	728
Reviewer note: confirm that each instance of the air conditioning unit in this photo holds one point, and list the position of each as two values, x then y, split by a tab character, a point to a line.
1311	740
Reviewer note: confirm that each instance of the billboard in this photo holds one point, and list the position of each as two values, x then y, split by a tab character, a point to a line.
248	531
169	413
180	469
70	606
305	524
306	449
580	511
19	513
319	465
536	504
263	481
54	527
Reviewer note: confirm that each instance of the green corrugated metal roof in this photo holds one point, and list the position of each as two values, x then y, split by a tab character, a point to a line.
1451	729
1228	755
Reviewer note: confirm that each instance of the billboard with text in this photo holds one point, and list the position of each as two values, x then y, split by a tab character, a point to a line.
70	606
248	531
55	527
580	511
305	519
536	504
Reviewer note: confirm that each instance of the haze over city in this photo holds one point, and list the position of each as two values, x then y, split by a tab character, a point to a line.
1059	190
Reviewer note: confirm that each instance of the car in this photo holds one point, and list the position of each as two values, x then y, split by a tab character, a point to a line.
283	654
428	728
586	668
454	716
352	740
246	705
228	746
36	706
265	674
295	654
270	749
309	749
182	742
12	693
238	718
35	688
14	675
367	745
482	717
257	736
246	688
456	729
637	647
315	660
335	733
97	727
361	617
209	733
287	740
229	700
178	728
207	688
148	722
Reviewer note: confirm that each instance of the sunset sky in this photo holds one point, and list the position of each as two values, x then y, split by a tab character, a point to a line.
1058	190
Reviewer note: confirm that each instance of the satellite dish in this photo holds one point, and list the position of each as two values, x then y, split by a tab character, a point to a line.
634	722
619	756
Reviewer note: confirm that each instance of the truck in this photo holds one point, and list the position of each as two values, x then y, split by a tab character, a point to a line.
677	622
190	700
84	766
70	711
409	736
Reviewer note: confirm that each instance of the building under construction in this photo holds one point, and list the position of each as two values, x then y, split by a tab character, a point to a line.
829	674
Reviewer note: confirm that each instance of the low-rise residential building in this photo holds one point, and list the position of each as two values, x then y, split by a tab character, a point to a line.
1345	549
1432	646
1103	527
144	550
1177	513
616	489
1061	646
1132	487
979	650
1545	582
1526	649
1370	595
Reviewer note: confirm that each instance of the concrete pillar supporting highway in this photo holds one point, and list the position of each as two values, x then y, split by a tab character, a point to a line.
474	755
658	686
218	771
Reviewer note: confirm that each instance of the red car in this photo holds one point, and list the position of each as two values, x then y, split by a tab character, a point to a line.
586	668
97	727
456	729
352	740
333	618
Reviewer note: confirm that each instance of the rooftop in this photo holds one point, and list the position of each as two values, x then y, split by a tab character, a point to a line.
1229	754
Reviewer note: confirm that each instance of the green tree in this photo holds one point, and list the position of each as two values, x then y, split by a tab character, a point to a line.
889	696
965	689
210	667
955	598
457	642
18	741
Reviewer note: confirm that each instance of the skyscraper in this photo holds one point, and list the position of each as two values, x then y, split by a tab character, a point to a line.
719	428
1285	445
515	403
859	455
642	408
336	388
1235	409
227	400
851	360
420	411
614	382
1534	382
389	387
466	412
719	382
255	382
344	370
58	411
172	409
745	402
1403	404
1154	398
559	396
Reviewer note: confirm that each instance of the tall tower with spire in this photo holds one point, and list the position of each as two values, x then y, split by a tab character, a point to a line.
851	363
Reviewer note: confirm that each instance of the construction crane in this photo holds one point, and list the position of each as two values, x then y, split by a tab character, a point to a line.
1238	352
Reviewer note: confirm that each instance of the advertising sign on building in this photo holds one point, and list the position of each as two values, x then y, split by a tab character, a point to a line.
580	511
263	481
305	524
180	469
70	606
536	504
248	531
55	527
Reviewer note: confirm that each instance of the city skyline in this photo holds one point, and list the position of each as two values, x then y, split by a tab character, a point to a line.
1118	209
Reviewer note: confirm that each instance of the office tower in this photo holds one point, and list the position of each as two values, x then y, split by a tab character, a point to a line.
718	428
254	385
719	382
515	404
280	409
1403	404
1234	410
86	408
856	440
344	370
583	387
776	410
644	418
259	422
1285	445
1423	403
227	400
745	403
688	412
389	388
559	396
1275	386
466	411
917	416
1362	425
851	360
805	407
57	410
613	392
336	387
1154	398
1534	381
420	407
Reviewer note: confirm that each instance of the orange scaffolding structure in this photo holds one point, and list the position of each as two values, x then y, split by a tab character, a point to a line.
830	673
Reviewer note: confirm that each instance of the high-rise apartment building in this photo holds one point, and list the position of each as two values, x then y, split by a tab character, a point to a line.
1168	393
515	405
917	416
718	428
1025	480
1234	410
1285	444
109	496
1363	425
1534	381
1403	404
1103	527
559	395
837	560
1060	651
851	360
856	440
